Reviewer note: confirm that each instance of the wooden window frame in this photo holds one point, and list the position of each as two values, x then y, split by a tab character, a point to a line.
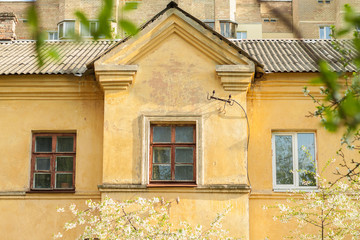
172	145
53	154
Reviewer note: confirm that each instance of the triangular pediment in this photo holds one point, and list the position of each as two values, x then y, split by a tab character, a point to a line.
175	21
116	69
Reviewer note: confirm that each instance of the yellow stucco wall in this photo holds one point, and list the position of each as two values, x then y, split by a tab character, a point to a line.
172	81
46	104
177	64
276	103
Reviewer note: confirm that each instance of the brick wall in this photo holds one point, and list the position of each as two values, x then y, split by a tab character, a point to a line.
8	22
272	22
248	11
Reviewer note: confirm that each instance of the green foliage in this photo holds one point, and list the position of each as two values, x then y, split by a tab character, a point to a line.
33	21
104	30
340	106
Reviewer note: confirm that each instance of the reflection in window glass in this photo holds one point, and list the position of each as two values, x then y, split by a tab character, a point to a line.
284	159
42	164
63	180
42	180
184	154
183	172
161	172
306	143
65	144
43	144
162	134
64	163
184	134
161	154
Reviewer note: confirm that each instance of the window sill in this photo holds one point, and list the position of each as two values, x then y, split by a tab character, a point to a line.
295	190
51	191
151	185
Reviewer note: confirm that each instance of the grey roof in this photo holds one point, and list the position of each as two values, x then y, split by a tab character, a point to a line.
18	57
296	55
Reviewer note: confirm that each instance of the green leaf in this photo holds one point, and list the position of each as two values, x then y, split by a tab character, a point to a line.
130	6
129	27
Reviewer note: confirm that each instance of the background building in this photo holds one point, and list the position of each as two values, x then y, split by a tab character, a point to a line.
240	19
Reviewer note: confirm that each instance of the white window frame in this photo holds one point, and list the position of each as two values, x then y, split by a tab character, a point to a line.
241	34
210	23
89	30
295	185
147	120
53	32
63	25
324	29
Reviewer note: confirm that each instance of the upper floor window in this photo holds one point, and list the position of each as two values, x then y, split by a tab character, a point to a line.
293	161
53	161
172	154
52	35
210	23
324	1
66	29
241	35
227	28
132	4
90	29
325	32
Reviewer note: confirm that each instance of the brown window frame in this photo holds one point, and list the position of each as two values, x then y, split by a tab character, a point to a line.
52	155
172	145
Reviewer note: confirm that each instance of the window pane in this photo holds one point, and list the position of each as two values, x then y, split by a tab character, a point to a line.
61	30
210	24
64	164
84	30
322	35
161	172
222	28
162	134
284	159
42	180
184	154
69	29
306	143
63	180
161	154
93	28
65	144
183	172
42	164
43	144
184	134
327	32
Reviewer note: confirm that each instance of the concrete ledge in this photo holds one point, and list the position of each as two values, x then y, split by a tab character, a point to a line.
115	77
235	77
214	188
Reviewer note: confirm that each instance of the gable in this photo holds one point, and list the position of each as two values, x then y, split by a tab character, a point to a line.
174	25
175	22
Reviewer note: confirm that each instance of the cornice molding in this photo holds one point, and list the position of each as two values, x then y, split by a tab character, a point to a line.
115	77
235	77
50	88
216	188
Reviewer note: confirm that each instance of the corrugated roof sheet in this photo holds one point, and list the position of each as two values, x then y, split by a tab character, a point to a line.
19	57
296	55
